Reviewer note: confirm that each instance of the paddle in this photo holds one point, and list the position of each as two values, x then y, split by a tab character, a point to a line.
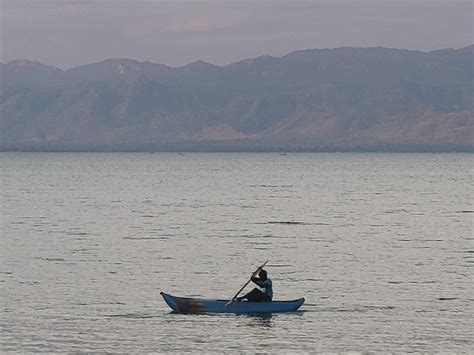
244	286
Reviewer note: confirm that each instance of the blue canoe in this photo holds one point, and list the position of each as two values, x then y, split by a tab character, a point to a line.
196	305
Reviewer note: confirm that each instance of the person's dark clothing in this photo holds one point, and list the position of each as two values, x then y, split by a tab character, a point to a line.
266	284
256	296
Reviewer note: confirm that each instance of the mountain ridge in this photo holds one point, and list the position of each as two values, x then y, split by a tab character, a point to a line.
346	98
466	48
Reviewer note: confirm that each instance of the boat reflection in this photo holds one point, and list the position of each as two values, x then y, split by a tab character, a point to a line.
260	320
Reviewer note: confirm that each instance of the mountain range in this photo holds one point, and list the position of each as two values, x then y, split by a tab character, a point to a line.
343	99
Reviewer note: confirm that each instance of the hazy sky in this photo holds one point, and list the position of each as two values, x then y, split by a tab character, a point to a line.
69	33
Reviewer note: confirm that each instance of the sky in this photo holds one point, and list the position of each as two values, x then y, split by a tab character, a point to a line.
67	33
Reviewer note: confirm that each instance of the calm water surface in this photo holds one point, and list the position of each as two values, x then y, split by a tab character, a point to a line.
380	245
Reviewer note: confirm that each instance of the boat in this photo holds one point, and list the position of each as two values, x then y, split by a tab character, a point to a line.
198	305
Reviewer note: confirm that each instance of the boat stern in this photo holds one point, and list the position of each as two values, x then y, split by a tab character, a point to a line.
170	301
184	305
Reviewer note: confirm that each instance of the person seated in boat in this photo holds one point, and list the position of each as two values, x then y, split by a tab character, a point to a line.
257	295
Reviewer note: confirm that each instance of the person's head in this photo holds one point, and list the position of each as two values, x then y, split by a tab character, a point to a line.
262	274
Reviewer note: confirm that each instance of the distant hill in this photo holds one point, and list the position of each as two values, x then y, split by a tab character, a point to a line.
362	99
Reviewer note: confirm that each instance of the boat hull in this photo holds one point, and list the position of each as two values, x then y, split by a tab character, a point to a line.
196	305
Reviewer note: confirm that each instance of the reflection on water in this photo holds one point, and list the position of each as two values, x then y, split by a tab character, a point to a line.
259	320
380	245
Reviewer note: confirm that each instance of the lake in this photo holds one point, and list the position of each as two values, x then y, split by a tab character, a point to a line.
380	245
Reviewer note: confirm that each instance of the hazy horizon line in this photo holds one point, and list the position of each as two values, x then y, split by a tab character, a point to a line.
237	61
